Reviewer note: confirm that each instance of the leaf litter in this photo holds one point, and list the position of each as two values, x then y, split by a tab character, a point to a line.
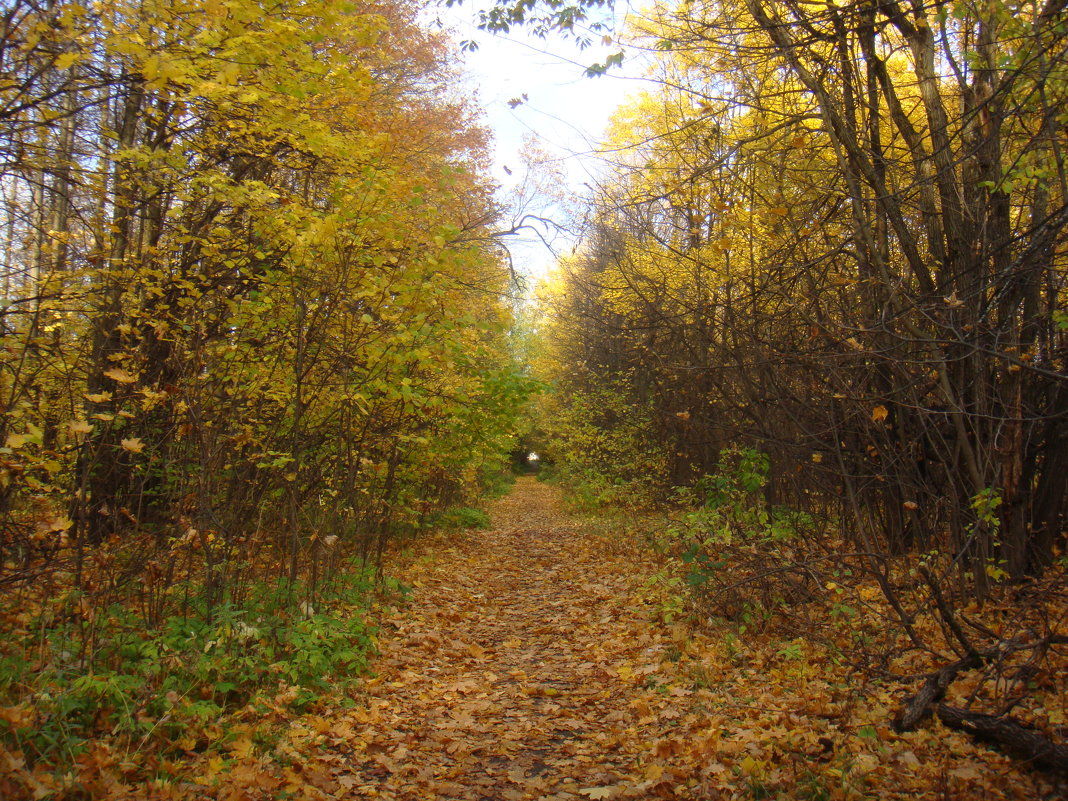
530	664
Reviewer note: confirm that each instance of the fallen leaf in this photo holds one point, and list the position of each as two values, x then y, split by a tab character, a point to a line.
598	792
908	759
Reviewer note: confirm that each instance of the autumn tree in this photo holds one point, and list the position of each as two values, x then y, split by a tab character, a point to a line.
828	267
848	220
253	321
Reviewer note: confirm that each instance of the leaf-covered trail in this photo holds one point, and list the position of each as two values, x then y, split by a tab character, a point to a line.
510	674
529	664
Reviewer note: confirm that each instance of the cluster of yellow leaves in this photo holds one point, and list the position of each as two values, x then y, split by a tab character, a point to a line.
321	182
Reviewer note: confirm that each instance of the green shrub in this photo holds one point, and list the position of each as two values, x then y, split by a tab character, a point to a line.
117	677
460	517
724	512
498	483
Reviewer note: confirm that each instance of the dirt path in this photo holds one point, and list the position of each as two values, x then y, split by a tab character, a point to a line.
509	674
523	667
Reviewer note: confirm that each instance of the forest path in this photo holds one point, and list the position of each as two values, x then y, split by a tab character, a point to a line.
522	668
531	663
511	674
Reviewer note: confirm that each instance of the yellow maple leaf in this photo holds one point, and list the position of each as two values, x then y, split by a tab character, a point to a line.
120	375
751	767
133	445
241	747
879	413
598	792
57	523
66	60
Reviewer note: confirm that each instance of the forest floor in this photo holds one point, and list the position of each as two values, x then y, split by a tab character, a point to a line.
531	663
516	671
563	657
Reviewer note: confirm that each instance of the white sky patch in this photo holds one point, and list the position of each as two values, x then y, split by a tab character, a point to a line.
564	110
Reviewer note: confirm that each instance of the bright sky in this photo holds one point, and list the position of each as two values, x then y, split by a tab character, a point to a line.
565	111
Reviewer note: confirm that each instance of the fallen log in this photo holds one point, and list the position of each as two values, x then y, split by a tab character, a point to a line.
932	691
1010	735
1007	733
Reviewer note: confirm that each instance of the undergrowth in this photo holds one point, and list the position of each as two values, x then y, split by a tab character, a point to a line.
589	490
460	517
71	675
780	592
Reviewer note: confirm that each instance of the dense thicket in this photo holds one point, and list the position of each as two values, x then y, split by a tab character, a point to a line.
836	234
251	326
